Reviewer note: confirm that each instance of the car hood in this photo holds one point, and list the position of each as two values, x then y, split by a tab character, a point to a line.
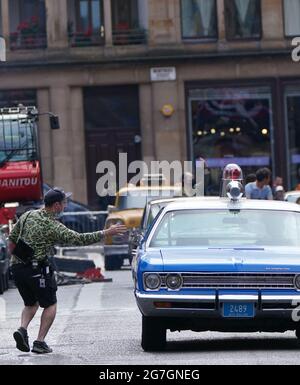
279	259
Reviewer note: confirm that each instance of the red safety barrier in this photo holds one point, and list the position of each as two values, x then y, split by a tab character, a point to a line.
94	275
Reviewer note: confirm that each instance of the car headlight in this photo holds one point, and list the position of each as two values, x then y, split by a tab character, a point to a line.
152	281
174	281
297	282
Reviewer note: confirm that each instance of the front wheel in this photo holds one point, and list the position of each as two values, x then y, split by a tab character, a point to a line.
154	334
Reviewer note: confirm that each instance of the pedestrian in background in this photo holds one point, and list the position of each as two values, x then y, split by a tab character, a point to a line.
250	178
260	189
35	278
279	193
278	181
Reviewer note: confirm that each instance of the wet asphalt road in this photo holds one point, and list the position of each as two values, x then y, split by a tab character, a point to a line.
99	324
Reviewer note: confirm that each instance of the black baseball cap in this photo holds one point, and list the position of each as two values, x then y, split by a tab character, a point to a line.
55	195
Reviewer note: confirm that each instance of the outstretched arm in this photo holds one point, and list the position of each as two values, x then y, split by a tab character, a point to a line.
65	236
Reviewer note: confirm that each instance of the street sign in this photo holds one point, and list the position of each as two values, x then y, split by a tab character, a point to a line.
2	49
163	74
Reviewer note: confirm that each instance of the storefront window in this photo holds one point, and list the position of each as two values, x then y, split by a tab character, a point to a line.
243	19
292	102
292	17
230	125
199	19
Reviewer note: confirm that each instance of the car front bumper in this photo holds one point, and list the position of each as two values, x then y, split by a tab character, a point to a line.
122	250
211	306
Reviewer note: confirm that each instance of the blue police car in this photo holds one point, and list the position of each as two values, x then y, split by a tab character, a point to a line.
227	264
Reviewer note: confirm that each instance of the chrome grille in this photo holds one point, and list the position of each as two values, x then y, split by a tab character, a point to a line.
238	280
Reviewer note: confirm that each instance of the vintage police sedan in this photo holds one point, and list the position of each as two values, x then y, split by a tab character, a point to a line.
230	265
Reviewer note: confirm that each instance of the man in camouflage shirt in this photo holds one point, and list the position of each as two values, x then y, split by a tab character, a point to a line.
35	280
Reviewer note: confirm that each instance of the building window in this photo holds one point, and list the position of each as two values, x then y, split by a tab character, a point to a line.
86	22
127	21
111	107
243	19
230	125
292	17
199	19
89	16
28	24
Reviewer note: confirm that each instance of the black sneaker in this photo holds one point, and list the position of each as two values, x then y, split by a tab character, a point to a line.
21	338
41	348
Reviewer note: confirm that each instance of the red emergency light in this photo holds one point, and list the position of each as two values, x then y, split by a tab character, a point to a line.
232	172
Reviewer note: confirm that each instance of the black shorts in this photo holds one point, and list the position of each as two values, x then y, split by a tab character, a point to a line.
28	282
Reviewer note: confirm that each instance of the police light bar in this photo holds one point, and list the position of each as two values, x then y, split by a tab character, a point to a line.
232	172
232	180
235	190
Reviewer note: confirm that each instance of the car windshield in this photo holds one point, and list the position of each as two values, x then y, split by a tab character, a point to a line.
224	228
17	142
139	199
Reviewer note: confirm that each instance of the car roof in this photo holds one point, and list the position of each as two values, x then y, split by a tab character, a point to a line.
225	203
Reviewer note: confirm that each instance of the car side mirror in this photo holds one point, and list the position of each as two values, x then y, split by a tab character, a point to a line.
54	122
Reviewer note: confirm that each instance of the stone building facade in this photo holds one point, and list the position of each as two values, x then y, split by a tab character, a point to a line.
234	96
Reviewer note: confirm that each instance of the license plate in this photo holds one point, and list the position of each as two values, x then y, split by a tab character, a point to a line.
238	310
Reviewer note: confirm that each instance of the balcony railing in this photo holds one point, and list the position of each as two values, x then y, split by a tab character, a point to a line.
129	36
82	39
19	41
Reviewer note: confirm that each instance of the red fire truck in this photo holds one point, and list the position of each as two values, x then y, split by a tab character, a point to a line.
20	167
20	171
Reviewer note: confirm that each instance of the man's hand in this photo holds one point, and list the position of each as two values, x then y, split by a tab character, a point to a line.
115	230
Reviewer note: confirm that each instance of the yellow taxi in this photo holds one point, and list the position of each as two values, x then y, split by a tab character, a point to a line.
128	210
